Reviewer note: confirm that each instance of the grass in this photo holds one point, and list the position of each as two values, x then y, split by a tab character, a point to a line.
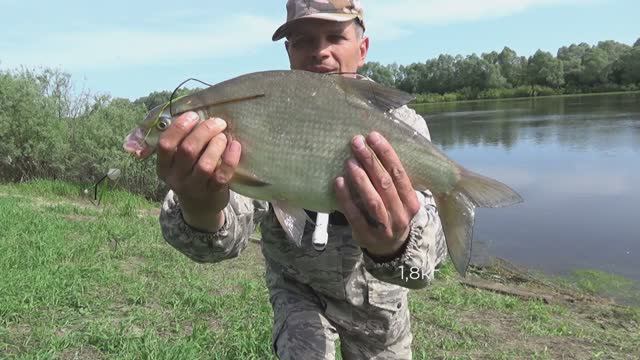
89	282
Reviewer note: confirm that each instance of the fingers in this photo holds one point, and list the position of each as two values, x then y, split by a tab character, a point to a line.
391	162
189	152
366	199
229	162
378	175
348	205
207	162
170	139
199	140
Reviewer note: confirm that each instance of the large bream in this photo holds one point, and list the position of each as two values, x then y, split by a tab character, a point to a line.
295	128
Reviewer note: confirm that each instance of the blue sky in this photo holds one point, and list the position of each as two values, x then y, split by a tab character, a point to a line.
130	48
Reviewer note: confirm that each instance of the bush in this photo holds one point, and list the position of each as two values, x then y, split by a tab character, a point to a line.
41	141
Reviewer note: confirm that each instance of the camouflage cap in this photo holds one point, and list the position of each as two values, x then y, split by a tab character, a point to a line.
335	10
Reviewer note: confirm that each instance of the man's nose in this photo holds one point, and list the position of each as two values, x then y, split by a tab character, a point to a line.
321	50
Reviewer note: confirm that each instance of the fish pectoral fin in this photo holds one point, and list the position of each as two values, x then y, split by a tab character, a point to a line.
292	221
457	214
379	96
244	178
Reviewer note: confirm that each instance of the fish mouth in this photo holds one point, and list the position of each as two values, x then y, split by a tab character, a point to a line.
135	144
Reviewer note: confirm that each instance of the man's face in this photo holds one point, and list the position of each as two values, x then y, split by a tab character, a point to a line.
326	46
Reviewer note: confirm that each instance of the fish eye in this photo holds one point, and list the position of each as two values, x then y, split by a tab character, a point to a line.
163	123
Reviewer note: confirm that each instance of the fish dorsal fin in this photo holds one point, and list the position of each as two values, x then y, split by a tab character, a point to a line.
378	96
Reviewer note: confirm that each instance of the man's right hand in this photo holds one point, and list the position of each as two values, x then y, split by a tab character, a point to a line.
197	161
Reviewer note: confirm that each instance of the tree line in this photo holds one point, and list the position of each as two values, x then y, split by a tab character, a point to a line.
50	130
581	68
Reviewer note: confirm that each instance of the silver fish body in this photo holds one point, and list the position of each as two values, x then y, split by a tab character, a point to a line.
296	127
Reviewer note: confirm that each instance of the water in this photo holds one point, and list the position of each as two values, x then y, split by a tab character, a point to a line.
575	161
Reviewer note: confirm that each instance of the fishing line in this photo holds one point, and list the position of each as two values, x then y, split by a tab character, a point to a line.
173	94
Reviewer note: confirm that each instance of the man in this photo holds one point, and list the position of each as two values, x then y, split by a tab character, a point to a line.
356	288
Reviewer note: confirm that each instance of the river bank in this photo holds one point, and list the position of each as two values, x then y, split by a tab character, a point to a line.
522	98
100	283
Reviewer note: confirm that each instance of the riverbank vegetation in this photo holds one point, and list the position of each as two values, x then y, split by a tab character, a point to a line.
575	69
50	130
88	282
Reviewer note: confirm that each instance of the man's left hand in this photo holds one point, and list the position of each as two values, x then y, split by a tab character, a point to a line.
376	196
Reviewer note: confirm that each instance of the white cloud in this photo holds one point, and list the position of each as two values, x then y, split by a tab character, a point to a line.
390	18
121	46
239	35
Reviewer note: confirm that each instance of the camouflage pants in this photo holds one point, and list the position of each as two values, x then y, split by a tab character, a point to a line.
307	324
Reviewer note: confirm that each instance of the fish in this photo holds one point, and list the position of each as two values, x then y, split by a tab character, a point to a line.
296	128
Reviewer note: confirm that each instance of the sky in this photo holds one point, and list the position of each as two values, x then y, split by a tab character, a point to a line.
131	48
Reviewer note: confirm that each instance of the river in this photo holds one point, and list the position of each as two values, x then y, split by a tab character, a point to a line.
575	161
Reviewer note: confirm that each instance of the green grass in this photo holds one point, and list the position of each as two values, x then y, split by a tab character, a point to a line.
101	281
605	284
81	281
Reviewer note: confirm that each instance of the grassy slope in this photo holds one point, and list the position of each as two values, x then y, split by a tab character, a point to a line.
86	282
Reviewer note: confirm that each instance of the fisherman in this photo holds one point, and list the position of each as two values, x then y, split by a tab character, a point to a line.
356	287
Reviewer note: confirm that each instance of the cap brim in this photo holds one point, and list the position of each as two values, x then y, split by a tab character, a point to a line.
284	29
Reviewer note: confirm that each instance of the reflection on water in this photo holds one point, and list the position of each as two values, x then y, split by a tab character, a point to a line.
575	161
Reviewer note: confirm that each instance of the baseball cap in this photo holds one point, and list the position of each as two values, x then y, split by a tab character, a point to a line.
334	10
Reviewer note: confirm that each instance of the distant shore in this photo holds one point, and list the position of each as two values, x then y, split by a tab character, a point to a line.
412	105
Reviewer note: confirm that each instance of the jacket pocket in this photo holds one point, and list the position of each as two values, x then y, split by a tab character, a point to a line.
384	295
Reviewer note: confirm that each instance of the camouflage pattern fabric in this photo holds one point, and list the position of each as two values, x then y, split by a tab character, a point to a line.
318	296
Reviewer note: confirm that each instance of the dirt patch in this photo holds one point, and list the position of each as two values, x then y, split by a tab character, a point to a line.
506	278
185	328
504	332
85	352
19	330
595	325
79	218
149	212
132	264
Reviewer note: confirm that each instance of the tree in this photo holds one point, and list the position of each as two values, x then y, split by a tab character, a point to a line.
512	66
491	58
545	70
477	73
571	58
379	73
613	49
439	75
154	99
596	67
161	97
409	77
626	70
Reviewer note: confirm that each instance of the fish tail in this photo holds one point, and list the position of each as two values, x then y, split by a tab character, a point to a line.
486	192
457	212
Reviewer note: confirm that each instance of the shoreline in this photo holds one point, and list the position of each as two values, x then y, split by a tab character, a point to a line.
411	105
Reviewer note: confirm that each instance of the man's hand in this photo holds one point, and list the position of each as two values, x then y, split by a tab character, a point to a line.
377	196
197	162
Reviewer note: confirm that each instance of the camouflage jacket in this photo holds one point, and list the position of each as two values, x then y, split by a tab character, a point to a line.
342	271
